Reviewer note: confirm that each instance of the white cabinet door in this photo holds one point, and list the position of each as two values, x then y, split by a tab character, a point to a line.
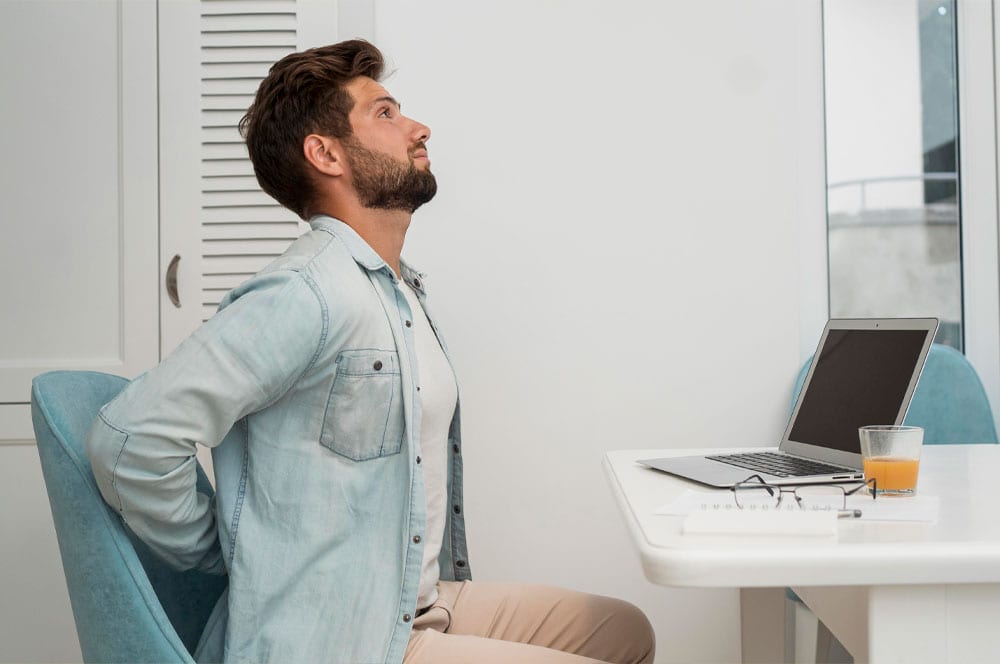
78	193
217	227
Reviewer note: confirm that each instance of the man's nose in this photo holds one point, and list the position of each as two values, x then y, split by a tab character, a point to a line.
421	132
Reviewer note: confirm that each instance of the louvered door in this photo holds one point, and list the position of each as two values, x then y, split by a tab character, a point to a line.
216	227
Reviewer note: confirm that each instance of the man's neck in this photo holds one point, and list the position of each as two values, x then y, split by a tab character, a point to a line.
383	230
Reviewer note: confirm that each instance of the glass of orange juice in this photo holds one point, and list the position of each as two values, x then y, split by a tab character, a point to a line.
891	454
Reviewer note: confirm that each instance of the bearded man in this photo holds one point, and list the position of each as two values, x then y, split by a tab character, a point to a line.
325	390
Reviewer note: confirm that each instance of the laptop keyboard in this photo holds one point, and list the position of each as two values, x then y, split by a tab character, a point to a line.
781	465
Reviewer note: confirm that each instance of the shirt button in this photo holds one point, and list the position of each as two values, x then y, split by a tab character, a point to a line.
459	563
378	365
418	460
416	282
406	617
416	539
455	448
408	323
458	509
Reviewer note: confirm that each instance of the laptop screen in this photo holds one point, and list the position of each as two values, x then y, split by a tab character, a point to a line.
861	377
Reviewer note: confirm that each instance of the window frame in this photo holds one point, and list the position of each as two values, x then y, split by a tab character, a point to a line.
977	23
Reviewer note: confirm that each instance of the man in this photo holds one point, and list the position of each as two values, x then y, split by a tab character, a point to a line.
326	393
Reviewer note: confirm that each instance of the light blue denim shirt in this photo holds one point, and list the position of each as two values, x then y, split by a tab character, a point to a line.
305	385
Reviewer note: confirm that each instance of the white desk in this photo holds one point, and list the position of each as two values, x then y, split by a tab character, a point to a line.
890	592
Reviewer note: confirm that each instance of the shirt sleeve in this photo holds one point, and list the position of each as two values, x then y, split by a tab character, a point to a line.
142	446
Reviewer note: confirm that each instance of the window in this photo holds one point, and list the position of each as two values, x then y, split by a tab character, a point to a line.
894	218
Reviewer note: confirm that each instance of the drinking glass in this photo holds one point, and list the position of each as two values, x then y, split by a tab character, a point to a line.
891	455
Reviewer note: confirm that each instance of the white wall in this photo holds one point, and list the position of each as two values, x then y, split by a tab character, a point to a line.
614	254
36	624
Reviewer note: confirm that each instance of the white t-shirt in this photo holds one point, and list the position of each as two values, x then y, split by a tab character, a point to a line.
438	395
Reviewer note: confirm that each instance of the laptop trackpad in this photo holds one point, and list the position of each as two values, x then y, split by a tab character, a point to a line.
701	470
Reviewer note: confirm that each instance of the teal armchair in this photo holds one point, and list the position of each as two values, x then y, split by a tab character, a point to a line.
951	406
128	606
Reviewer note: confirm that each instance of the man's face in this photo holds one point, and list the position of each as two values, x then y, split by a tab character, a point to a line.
387	154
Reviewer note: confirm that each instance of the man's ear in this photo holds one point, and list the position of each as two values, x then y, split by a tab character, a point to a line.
325	154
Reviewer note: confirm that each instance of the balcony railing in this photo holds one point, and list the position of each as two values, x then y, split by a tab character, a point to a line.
937	213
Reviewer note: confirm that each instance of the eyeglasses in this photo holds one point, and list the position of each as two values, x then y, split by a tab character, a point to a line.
754	493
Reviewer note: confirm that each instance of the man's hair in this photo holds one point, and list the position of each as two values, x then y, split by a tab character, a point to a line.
303	94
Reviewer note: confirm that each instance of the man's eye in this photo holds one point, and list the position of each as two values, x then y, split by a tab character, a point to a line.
385	113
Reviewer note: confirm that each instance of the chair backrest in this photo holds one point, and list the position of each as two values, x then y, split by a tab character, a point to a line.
949	402
128	605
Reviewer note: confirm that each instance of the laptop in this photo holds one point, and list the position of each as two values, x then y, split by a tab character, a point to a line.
864	372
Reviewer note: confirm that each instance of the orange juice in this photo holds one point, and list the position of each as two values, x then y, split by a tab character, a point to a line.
892	475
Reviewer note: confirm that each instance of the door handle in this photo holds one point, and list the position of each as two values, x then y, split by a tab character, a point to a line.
171	281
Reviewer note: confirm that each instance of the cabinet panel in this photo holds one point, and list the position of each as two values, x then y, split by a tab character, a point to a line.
78	192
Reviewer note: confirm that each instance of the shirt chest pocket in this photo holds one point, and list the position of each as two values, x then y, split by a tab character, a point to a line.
364	414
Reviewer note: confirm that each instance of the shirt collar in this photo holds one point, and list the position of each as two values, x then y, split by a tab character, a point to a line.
362	252
412	277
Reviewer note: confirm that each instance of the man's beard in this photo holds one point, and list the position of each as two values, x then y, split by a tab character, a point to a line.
385	183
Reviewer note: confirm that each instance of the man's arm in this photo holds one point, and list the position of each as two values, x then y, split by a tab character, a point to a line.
142	445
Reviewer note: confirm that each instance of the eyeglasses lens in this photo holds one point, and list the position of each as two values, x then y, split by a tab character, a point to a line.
820	497
757	496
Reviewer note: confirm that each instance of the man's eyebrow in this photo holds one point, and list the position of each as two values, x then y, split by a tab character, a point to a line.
386	98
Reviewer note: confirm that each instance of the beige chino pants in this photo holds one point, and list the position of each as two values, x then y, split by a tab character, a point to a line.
493	623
